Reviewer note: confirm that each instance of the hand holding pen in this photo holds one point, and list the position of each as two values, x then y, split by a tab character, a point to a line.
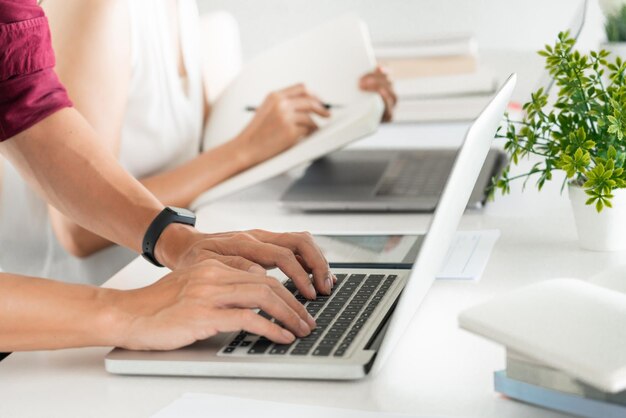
284	117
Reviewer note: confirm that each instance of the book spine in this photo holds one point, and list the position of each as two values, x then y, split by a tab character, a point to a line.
532	372
555	400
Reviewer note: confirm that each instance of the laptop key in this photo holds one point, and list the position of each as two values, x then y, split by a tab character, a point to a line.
314	305
280	349
323	321
228	350
332	310
322	351
307	341
260	346
291	286
300	351
301	343
340	279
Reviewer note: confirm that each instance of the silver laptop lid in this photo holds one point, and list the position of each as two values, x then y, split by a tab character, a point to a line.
447	216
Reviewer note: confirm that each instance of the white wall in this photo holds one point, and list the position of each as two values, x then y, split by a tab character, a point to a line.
498	24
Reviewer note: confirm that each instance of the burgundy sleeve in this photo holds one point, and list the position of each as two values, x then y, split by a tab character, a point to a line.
29	88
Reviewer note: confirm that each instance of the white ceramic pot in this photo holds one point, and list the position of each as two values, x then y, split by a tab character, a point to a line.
604	231
617	49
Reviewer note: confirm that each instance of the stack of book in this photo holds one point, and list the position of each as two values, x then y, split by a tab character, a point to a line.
533	382
565	341
437	79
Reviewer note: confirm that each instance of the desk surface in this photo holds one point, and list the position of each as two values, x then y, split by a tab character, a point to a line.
437	369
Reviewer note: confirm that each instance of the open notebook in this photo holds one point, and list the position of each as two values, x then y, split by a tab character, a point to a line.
329	60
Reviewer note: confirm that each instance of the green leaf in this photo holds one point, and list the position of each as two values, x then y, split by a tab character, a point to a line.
583	132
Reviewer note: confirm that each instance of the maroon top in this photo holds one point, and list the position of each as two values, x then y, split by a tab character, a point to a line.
29	89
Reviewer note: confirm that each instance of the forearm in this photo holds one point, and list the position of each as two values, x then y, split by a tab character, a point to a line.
177	187
75	239
62	159
182	185
38	314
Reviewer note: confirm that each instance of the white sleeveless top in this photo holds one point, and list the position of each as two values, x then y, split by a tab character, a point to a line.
164	115
162	129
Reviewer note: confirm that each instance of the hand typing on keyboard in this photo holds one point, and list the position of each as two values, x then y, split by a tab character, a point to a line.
296	254
339	317
198	302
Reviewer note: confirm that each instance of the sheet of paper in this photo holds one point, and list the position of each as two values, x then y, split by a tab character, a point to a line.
468	255
199	405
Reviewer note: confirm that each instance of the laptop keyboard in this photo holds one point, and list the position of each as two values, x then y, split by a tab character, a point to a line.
415	175
340	317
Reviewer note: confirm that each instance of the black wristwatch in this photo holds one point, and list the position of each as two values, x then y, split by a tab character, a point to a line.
169	215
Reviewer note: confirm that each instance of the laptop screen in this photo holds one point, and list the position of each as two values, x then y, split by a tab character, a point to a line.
447	216
365	251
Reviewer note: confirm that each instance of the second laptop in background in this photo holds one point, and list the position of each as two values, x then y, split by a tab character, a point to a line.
375	180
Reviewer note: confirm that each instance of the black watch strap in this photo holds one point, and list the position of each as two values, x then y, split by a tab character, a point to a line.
168	216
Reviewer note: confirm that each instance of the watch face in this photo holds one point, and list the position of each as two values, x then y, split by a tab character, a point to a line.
183	212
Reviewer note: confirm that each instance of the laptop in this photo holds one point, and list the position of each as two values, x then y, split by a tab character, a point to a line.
407	180
394	180
360	323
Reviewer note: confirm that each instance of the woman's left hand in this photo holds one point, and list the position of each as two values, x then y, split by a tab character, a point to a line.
378	81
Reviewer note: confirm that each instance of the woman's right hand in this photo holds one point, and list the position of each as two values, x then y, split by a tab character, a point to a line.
280	122
199	302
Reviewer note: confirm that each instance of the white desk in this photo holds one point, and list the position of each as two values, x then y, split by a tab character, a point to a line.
437	369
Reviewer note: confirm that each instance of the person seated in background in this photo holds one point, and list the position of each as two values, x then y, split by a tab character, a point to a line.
134	70
218	279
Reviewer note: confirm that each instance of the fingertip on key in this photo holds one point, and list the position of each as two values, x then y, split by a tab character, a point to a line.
289	337
329	285
311	321
305	329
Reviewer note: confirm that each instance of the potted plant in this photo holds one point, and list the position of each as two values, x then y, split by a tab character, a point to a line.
615	26
583	133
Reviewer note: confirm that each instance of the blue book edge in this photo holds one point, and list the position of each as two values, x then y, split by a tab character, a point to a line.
552	399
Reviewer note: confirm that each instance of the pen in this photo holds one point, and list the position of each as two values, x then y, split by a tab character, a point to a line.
327	106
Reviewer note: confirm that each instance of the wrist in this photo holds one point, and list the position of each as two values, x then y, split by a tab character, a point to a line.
168	253
243	148
173	243
112	322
